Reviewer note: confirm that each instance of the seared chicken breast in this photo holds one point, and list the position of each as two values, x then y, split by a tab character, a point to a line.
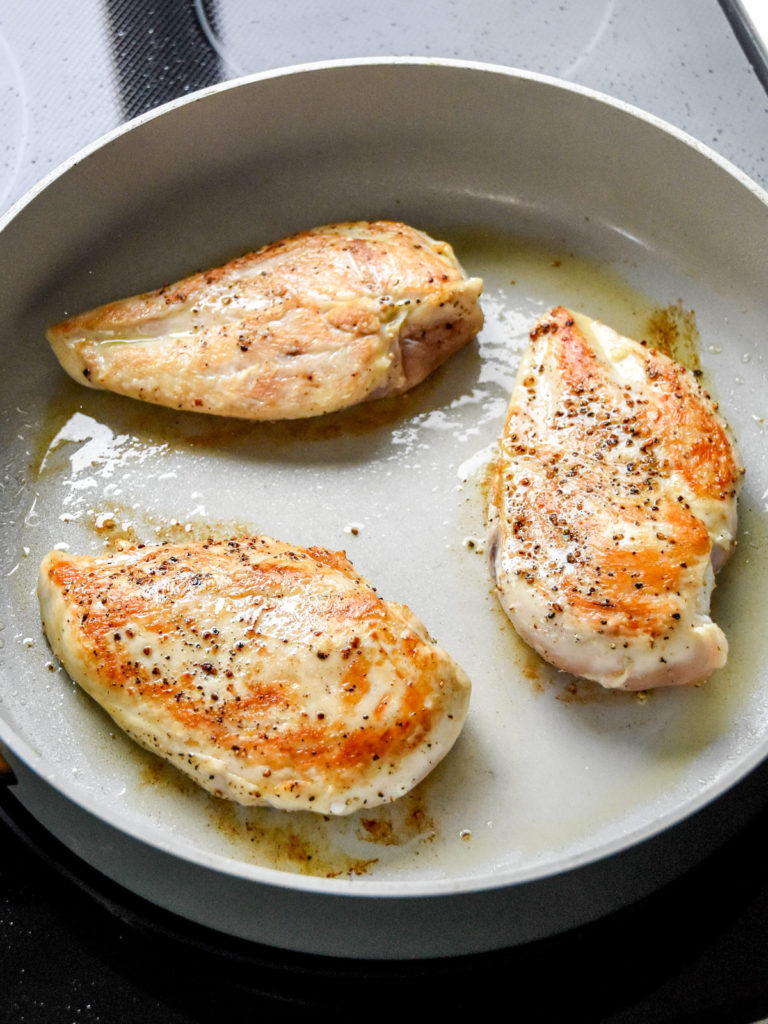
270	674
612	504
311	324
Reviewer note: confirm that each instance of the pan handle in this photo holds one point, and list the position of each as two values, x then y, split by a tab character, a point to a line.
751	36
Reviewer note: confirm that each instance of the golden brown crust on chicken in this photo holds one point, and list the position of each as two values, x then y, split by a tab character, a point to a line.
271	674
613	499
313	323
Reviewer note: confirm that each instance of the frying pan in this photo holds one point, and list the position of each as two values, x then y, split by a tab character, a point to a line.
560	802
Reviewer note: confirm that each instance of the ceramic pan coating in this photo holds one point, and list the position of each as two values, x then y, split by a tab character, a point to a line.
560	802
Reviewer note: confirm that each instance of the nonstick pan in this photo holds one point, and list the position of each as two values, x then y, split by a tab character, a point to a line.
560	801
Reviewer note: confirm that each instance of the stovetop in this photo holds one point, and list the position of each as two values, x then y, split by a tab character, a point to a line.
75	947
78	948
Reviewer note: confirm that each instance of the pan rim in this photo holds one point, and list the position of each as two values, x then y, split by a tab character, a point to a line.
313	67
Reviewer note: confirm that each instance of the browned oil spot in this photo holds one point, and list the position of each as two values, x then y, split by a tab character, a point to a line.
419	824
302	842
298	842
401	822
360	867
119	525
673	330
378	831
533	668
520	655
154	771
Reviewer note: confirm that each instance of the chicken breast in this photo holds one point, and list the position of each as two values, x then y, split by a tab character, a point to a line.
270	674
311	324
613	501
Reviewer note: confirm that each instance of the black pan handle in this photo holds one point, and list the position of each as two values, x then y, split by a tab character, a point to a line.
752	43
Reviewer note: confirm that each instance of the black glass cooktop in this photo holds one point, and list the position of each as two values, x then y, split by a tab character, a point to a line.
78	947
